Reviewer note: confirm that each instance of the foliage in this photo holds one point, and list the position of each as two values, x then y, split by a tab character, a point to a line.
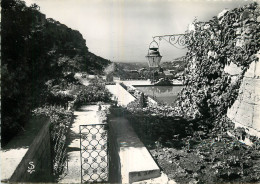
60	91
35	50
60	99
152	127
200	150
57	115
177	65
94	92
210	161
61	120
232	37
150	108
195	151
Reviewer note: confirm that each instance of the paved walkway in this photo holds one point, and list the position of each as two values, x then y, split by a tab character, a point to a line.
85	115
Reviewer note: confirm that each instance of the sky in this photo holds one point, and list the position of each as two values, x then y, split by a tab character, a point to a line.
121	30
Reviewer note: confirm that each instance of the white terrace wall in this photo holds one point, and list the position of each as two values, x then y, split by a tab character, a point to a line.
245	112
130	160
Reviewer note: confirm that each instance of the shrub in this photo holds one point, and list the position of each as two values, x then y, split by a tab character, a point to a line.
94	92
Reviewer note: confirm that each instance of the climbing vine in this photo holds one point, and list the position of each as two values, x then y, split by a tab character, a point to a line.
232	37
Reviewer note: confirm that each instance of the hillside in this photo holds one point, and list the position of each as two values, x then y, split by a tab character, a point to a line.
132	65
176	64
35	50
140	70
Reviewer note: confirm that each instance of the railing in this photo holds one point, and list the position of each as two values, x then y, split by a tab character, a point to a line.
94	153
59	140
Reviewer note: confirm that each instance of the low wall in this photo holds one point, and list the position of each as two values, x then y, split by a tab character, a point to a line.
150	100
120	94
130	160
37	160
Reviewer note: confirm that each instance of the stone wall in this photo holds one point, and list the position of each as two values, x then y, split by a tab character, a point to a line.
245	112
37	160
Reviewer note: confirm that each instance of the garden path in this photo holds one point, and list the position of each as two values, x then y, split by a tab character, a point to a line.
85	115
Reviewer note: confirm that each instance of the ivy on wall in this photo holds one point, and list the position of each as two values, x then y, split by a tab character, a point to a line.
232	37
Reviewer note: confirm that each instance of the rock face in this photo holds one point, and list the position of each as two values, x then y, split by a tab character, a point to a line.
245	111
